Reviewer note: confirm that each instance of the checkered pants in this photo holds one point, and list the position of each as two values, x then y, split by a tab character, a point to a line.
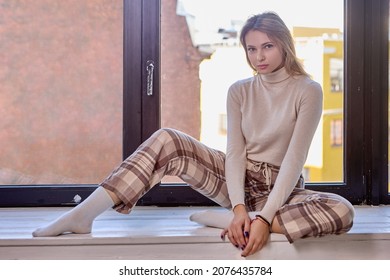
170	152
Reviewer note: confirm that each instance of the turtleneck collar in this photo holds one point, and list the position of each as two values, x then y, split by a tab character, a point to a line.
275	77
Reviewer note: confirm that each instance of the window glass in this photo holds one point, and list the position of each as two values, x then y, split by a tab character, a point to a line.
201	57
60	91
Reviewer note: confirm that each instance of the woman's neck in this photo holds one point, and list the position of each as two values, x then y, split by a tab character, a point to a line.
278	76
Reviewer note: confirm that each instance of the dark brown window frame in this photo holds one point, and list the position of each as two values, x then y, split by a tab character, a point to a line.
366	110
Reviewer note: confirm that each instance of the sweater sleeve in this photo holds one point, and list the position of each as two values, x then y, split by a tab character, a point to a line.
235	164
309	112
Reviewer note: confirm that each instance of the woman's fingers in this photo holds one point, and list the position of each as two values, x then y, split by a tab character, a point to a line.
252	247
223	234
259	235
239	228
247	228
232	236
238	236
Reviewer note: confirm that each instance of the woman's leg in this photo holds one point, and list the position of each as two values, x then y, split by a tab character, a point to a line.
309	213
80	218
166	152
305	213
213	218
169	152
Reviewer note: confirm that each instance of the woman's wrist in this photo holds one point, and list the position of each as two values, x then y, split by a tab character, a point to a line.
261	219
239	208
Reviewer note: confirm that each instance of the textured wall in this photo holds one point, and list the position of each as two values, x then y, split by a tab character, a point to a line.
60	90
180	83
61	84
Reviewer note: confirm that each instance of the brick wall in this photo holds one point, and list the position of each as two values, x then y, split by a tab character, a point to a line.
61	88
180	83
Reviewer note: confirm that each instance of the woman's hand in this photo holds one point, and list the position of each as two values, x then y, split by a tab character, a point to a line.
258	237
238	230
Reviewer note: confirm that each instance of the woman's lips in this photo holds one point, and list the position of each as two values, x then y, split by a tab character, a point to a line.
262	66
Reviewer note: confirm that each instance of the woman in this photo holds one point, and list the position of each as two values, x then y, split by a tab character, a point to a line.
272	118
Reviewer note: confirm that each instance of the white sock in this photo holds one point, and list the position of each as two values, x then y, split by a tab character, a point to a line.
213	218
80	218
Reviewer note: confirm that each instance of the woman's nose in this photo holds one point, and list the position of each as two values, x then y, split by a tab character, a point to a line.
260	56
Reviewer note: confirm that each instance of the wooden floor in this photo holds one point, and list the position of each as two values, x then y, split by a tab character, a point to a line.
167	233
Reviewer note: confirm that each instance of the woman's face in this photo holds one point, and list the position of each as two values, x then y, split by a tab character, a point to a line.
264	54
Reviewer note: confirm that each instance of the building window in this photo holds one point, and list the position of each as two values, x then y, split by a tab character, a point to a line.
336	75
336	133
223	124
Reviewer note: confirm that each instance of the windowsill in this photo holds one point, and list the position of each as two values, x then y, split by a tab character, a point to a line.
167	233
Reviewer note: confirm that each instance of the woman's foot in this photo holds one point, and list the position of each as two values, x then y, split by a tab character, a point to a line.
79	219
67	223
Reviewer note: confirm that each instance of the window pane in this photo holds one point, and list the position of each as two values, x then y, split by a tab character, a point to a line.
202	57
60	90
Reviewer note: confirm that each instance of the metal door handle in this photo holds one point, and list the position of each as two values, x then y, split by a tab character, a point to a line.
149	77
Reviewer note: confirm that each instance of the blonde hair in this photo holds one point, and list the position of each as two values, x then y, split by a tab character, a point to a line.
272	25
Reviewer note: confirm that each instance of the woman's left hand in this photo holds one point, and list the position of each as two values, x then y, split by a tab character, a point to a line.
258	237
238	229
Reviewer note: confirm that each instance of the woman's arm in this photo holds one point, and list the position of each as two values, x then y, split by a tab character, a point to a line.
235	168
235	165
308	116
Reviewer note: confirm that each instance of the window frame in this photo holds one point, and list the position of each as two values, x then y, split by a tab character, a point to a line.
365	106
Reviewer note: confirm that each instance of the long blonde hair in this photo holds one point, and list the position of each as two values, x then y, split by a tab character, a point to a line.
272	25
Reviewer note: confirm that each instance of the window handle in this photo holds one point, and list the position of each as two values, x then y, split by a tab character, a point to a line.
149	77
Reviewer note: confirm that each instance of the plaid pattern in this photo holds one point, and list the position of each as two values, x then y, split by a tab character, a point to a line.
308	213
170	152
257	189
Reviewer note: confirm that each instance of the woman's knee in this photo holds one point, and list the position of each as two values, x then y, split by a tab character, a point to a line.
346	212
167	134
162	131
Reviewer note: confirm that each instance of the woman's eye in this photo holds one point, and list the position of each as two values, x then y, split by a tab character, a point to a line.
268	46
251	49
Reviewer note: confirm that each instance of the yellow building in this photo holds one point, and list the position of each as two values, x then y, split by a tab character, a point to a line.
328	167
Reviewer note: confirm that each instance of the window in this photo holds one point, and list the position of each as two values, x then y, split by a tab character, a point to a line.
61	93
208	58
362	176
223	124
336	74
336	133
332	53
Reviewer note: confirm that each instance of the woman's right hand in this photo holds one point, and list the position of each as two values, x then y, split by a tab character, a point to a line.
238	230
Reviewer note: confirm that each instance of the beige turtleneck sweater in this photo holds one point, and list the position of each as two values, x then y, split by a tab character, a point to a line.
272	118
